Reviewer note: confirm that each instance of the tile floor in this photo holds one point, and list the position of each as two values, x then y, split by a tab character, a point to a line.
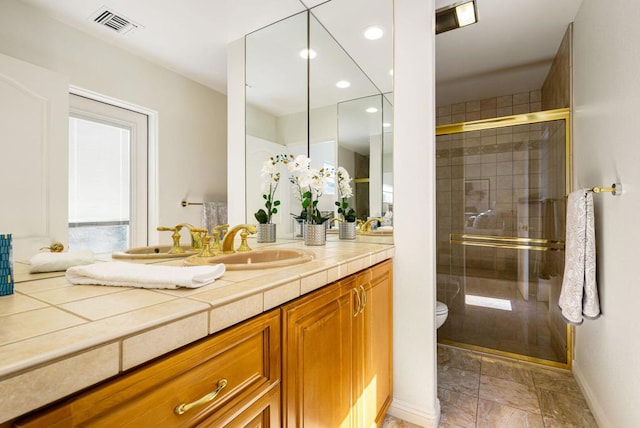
479	390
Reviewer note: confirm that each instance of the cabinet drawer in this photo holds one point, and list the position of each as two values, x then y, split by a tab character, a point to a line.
245	357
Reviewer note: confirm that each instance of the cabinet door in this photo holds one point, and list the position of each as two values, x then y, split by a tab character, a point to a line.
377	344
317	357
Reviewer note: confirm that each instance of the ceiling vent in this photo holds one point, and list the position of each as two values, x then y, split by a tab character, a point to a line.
114	21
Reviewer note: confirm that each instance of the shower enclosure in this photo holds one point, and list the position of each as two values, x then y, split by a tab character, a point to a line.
500	234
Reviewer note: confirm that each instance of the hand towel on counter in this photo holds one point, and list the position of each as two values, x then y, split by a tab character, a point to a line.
54	262
579	295
125	274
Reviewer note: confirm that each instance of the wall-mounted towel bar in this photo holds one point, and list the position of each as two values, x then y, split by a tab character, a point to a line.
186	204
615	189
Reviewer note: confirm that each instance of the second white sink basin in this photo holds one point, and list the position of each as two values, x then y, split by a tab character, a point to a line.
256	259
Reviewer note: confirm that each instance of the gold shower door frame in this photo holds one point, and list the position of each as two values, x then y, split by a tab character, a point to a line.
520	243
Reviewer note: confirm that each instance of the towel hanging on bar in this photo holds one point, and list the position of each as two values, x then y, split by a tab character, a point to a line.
579	294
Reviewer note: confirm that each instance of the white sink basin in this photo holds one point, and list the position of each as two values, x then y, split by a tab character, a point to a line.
153	252
256	259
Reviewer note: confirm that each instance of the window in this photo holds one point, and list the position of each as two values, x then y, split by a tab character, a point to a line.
107	176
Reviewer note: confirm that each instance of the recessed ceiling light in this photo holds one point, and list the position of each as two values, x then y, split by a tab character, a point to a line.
308	54
342	84
386	125
373	32
371	110
391	72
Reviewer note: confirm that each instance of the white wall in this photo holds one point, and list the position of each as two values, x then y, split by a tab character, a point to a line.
260	123
192	117
606	149
414	342
236	132
292	128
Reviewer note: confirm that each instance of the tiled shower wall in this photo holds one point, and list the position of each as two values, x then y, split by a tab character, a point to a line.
506	105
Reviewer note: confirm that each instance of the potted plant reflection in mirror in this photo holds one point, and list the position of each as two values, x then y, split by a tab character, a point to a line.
347	227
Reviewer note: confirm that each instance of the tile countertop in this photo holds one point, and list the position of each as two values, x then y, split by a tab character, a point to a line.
57	338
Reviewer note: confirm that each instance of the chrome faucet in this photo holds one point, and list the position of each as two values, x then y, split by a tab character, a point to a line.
227	243
366	226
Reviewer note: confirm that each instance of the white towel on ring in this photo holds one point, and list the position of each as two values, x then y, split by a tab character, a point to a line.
125	274
54	262
579	295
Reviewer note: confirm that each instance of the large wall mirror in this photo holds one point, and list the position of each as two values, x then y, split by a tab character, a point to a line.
316	86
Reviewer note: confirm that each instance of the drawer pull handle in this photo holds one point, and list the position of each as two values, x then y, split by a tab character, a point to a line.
364	298
182	408
359	302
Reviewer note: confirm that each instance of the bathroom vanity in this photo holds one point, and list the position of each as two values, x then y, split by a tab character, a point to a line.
260	347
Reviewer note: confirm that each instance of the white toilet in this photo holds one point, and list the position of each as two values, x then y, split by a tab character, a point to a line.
441	313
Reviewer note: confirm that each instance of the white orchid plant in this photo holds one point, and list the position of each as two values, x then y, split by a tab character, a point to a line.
345	192
270	180
309	184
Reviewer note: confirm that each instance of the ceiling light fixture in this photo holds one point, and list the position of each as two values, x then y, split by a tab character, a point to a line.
308	54
455	16
386	125
342	84
371	110
373	33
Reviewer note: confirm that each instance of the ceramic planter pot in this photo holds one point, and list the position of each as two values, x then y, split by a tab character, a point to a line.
315	234
347	230
266	232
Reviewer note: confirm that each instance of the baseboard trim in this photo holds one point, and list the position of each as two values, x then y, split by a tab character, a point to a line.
597	411
407	412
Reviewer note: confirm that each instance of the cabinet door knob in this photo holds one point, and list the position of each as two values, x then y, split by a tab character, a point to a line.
359	302
182	408
364	298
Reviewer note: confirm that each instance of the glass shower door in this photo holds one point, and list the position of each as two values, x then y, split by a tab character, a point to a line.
500	216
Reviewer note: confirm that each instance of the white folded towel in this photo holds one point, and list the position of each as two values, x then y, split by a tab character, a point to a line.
125	274
53	262
579	294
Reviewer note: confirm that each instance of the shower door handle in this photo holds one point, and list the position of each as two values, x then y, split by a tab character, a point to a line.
508	242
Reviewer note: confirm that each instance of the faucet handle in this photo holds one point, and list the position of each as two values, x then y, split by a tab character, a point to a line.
216	240
222	229
206	247
243	238
175	236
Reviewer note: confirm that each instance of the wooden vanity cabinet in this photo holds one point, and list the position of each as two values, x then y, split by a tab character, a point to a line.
332	347
337	346
374	347
242	363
